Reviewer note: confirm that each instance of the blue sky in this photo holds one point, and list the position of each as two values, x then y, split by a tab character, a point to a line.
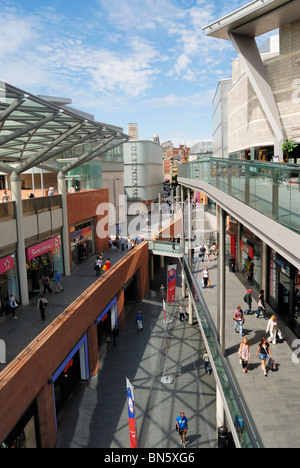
143	61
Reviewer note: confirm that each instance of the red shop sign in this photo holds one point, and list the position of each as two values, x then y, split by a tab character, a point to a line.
40	249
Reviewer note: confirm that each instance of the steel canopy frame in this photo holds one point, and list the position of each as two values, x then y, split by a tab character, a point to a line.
33	131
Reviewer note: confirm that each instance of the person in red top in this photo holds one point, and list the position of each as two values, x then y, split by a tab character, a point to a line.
107	264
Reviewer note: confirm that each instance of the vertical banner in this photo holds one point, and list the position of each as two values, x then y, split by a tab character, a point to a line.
131	415
171	283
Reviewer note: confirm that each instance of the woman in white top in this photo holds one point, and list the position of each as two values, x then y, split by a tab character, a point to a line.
205	277
272	328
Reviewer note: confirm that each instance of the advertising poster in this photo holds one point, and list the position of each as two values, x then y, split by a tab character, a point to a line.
171	283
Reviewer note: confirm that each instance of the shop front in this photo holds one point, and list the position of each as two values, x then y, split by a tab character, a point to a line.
26	433
251	258
43	258
82	238
284	279
73	370
106	322
8	282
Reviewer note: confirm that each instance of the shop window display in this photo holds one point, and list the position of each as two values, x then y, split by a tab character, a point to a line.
44	264
82	243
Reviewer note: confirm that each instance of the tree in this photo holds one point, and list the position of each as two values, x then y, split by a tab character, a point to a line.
288	147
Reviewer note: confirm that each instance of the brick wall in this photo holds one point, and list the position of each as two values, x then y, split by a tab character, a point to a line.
83	206
27	379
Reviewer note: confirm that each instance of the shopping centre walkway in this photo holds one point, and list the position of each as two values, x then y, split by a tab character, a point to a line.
273	401
18	333
97	415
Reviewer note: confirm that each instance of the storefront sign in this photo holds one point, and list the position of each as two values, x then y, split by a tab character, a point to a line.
44	247
247	249
80	233
6	264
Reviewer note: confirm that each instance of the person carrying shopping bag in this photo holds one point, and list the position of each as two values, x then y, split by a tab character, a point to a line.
272	328
244	354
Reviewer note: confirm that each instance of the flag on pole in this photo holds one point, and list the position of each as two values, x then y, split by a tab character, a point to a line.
171	283
131	415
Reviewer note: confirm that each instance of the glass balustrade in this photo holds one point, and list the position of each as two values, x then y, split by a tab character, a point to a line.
273	189
248	436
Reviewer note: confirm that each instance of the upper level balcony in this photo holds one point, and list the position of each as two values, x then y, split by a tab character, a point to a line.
270	188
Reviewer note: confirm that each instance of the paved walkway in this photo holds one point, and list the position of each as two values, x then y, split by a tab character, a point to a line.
97	415
273	401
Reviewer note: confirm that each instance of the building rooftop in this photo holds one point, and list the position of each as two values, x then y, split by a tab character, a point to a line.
255	18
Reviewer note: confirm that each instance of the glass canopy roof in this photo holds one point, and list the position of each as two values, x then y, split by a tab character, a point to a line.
33	131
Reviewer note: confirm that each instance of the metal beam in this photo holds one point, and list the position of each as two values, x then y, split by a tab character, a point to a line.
39	157
251	60
6	168
14	105
28	128
87	156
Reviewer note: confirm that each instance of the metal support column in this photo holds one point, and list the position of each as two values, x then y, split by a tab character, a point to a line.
61	183
15	181
221	278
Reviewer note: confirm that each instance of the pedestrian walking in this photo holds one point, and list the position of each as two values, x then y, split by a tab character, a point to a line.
57	281
206	362
202	252
263	352
248	300
214	249
139	320
205	277
244	354
115	334
208	249
182	427
181	312
42	304
98	266
13	304
261	307
239	320
272	328
46	283
108	264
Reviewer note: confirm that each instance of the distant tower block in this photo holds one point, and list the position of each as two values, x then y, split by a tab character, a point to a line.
132	131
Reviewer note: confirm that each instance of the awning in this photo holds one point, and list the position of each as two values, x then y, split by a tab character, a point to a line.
34	131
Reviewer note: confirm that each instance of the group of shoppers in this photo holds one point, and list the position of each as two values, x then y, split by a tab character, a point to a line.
264	350
100	265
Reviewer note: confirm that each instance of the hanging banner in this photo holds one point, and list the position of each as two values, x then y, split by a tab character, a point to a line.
131	415
171	283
